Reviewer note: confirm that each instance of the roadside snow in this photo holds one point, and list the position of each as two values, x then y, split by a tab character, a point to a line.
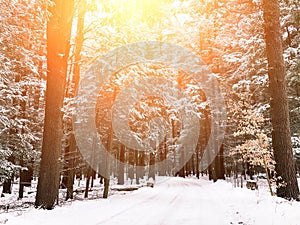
172	201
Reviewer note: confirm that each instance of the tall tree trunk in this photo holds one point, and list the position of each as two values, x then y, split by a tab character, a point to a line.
25	179
58	40
106	187
212	172
137	172
219	164
152	166
121	166
70	155
197	162
107	171
140	172
71	152
250	171
130	165
281	135
23	116
7	185
21	181
161	158
87	183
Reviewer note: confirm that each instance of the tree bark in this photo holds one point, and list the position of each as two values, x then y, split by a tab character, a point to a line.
219	164
69	173
25	179
87	183
121	166
281	135
71	152
106	187
7	185
58	39
152	166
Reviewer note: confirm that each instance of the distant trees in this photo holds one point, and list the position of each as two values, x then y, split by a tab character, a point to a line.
234	48
22	49
231	44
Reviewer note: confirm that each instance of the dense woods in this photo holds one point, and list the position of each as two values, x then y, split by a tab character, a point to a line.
252	49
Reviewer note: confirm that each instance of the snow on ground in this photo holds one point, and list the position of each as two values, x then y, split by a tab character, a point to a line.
172	201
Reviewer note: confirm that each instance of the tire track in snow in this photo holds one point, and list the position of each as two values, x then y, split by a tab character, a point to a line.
176	204
157	209
125	211
154	197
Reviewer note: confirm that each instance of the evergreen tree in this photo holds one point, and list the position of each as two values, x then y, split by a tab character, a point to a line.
281	135
58	39
22	58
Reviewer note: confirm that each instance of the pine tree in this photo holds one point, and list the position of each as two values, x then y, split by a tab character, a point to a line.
21	53
58	39
281	135
71	154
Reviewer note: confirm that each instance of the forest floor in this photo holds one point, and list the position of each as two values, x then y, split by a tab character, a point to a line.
171	201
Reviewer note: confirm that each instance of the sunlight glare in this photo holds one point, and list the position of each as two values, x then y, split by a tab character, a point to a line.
138	10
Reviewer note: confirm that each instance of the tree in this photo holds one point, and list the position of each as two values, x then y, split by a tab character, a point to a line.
21	54
58	39
70	151
290	21
254	151
281	135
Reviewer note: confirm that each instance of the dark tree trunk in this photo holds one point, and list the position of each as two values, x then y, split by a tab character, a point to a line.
7	186
193	164
137	172
197	163
219	164
58	39
130	165
162	157
21	186
281	135
87	186
212	172
101	178
249	170
121	166
216	169
181	172
25	180
106	187
87	183
93	175
152	166
23	173
23	112
70	167
188	168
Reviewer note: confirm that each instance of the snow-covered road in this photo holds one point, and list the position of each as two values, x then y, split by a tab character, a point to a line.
164	204
173	201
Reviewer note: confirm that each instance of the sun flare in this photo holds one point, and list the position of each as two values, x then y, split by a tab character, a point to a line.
123	11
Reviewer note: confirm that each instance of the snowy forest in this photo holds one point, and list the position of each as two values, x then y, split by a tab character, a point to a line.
120	100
